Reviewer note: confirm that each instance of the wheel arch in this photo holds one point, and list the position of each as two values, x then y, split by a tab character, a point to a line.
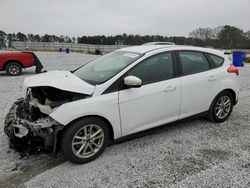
226	90
232	92
12	61
210	115
111	131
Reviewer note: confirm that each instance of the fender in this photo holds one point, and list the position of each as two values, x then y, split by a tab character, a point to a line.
228	83
11	60
105	106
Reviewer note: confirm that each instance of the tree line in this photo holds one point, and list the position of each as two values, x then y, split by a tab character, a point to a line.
220	37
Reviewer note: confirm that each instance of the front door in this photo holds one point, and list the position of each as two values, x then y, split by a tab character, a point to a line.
157	101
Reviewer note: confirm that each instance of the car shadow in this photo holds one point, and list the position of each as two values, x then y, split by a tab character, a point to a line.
4	74
163	128
59	159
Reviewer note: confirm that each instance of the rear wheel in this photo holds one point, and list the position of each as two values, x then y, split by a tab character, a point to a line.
84	140
221	107
13	69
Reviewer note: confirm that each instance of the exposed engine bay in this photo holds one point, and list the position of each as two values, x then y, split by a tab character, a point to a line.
28	124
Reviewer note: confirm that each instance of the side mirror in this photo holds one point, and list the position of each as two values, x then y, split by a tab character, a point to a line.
132	81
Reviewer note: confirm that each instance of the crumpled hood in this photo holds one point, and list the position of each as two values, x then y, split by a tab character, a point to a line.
63	80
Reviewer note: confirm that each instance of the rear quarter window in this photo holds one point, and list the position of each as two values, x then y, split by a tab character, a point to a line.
217	60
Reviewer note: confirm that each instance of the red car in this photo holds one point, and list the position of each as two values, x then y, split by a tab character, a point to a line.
14	62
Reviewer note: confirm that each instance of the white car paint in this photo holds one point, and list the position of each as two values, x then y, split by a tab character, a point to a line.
103	105
149	106
198	90
159	43
132	80
137	109
63	80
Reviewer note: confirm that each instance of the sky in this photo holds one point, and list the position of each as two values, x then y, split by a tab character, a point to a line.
112	17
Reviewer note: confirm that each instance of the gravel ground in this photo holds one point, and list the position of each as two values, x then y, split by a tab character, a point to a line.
194	153
13	168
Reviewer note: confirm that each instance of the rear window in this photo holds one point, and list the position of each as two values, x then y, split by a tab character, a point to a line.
218	61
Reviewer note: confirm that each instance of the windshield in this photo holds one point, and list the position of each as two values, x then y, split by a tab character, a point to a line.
105	67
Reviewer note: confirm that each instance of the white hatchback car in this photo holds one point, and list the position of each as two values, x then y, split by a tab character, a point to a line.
120	93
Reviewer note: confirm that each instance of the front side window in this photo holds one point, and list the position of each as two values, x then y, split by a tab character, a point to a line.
193	62
105	67
154	69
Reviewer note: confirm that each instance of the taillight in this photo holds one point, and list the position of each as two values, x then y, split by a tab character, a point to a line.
233	69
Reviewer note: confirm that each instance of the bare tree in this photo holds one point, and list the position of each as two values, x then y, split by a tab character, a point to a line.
216	32
231	37
2	39
202	33
30	37
248	34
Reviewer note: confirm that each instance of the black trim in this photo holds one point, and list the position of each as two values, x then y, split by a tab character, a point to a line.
212	61
116	86
178	62
152	130
175	64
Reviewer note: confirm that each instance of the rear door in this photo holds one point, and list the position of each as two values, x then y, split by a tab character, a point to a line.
199	80
157	101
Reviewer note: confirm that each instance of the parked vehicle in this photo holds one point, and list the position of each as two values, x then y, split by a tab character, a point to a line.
14	62
118	94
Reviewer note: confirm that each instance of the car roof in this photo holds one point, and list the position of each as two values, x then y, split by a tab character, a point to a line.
149	48
159	43
143	48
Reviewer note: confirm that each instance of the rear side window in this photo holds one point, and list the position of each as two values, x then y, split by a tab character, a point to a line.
193	62
218	61
154	69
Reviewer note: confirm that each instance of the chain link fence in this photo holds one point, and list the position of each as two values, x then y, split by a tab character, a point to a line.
50	46
83	48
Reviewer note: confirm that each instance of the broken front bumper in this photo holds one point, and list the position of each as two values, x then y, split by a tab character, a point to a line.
30	136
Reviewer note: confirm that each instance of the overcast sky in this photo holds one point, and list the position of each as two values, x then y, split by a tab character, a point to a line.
111	17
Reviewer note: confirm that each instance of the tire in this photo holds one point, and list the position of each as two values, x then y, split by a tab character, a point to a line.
9	120
221	107
13	69
77	144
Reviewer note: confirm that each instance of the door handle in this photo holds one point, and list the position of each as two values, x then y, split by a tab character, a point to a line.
169	88
212	78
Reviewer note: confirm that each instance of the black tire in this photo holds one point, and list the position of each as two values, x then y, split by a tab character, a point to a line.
77	128
214	109
9	120
13	69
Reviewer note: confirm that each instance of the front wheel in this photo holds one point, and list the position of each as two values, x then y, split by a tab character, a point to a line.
84	140
221	107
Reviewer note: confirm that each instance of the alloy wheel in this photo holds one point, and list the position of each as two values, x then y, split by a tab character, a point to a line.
223	107
88	141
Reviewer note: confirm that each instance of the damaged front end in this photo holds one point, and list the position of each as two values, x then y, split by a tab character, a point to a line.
28	125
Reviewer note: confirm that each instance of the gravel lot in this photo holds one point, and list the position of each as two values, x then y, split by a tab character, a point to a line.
185	154
13	169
